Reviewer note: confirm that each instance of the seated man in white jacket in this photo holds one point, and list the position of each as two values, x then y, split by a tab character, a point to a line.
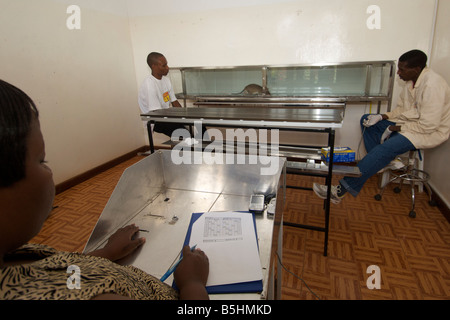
421	120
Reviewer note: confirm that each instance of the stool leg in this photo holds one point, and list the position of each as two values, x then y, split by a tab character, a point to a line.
401	183
428	189
382	188
412	213
398	188
432	202
380	194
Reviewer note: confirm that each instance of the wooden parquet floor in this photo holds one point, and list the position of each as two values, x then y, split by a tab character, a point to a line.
413	255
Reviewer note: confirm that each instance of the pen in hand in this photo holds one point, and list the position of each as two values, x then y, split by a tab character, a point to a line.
172	269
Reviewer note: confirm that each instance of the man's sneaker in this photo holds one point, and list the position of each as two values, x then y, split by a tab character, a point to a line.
321	191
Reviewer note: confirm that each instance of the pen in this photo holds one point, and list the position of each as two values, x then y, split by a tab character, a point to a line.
172	269
142	230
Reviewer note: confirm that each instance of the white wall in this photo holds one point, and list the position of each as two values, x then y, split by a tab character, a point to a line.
436	159
83	81
249	32
275	32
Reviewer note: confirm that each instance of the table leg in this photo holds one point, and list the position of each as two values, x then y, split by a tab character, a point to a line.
150	136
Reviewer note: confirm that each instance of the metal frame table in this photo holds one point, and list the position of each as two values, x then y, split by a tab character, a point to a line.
320	119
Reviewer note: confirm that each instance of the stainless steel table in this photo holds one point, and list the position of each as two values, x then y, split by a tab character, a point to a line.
292	117
322	118
319	118
155	190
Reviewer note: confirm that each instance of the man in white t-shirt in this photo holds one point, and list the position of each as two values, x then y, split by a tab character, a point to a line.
156	92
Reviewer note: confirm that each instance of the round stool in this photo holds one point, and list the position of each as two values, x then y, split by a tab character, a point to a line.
413	176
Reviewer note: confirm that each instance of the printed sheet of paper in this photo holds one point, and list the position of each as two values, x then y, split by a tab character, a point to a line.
229	241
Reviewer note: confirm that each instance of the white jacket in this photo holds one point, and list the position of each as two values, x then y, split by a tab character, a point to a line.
423	111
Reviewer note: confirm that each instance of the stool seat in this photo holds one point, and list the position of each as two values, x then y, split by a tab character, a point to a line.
412	175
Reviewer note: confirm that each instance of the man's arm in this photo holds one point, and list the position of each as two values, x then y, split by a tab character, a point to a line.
391	128
176	104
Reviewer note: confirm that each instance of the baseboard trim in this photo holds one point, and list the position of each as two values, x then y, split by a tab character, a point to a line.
445	210
60	187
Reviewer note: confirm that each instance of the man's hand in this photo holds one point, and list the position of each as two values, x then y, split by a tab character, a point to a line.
386	134
176	104
372	119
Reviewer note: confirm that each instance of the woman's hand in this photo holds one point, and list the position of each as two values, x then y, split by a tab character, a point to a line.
191	274
120	244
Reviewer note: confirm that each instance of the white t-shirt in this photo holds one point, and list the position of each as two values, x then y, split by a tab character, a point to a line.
155	94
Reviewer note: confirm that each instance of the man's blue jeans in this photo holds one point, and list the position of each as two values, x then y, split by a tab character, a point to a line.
378	155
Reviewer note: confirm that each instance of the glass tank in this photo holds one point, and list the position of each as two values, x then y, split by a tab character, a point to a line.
220	81
345	80
353	81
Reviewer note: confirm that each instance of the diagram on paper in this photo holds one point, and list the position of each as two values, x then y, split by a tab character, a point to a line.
229	240
222	229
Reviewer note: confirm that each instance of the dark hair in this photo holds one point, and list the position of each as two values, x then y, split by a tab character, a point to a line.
153	57
17	112
414	58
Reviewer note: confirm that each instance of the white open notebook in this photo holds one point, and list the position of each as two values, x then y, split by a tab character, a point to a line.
230	242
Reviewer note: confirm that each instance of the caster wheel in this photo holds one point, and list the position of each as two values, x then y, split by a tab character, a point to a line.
397	190
432	203
412	214
377	197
